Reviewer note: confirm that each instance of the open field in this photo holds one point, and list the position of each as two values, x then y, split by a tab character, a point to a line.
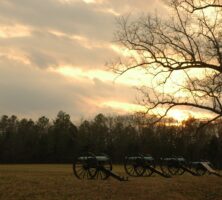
56	182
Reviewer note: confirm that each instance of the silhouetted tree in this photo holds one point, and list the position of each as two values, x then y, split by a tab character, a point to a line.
193	5
62	138
42	128
27	141
188	44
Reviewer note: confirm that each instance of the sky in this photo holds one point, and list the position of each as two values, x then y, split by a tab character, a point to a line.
53	56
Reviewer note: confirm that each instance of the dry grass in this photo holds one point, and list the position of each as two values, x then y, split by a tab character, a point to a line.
56	182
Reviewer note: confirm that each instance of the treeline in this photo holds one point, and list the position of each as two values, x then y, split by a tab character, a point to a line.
60	140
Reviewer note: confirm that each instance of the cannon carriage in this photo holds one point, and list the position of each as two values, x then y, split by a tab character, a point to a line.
179	165
91	166
145	165
173	165
142	165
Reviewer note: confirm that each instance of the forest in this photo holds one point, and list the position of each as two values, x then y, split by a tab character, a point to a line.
60	140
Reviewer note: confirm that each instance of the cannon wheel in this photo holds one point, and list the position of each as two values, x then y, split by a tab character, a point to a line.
140	170
85	169
132	168
100	173
174	167
164	167
146	170
180	172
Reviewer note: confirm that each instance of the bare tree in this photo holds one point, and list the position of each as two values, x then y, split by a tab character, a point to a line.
194	5
188	43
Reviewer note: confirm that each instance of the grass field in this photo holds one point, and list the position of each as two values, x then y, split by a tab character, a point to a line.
56	182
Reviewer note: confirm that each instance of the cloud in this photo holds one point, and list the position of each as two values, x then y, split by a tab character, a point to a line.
9	31
134	7
77	18
53	32
33	92
40	38
136	77
45	49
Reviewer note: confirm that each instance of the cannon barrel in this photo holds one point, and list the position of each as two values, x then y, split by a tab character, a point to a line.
146	158
98	158
179	159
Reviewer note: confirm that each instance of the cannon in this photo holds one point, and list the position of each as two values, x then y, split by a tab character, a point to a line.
202	167
174	165
142	165
179	165
91	166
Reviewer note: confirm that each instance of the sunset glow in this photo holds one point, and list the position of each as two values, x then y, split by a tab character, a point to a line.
123	106
179	115
128	78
